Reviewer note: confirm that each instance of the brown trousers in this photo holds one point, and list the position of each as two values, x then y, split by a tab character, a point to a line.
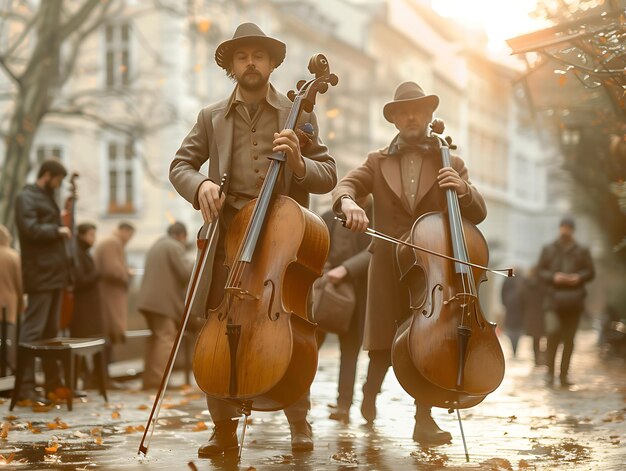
158	347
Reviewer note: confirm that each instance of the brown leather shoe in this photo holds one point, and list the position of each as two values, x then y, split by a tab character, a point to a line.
340	413
426	431
301	436
223	439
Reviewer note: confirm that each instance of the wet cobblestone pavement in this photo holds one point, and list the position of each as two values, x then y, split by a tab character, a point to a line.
522	426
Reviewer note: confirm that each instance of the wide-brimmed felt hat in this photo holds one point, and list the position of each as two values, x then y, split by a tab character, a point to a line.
249	33
410	92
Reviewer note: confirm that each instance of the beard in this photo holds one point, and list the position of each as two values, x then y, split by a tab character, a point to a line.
252	81
414	135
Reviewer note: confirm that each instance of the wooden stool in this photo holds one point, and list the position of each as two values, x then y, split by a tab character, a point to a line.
70	352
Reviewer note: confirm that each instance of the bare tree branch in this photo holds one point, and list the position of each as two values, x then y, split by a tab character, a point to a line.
80	17
105	124
9	72
79	41
23	35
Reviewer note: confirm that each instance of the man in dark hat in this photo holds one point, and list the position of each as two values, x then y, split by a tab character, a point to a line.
565	267
406	180
236	135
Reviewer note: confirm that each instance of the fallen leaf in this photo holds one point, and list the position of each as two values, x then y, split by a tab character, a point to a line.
79	434
8	459
4	433
98	440
200	426
136	428
52	447
11	417
33	429
40	407
142	407
116	415
96	432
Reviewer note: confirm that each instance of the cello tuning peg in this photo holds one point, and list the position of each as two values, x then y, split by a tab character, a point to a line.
450	144
437	126
291	95
323	87
300	84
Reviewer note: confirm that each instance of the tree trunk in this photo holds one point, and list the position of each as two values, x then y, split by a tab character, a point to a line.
36	89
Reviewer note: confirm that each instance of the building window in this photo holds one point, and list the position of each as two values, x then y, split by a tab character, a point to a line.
117	54
45	152
121	188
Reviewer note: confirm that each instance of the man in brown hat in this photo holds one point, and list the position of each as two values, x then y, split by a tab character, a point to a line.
236	135
406	180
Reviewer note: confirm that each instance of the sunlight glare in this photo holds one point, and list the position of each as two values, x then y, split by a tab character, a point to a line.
499	19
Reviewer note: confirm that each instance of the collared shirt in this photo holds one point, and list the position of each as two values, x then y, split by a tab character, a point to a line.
410	170
253	135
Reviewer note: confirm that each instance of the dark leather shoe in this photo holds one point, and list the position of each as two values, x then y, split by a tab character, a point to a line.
224	439
426	431
340	413
301	436
368	407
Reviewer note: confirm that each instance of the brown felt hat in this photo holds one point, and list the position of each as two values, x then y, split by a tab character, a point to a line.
249	33
410	92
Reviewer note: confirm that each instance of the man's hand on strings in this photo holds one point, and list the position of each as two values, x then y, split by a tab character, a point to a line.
286	141
210	201
449	179
356	219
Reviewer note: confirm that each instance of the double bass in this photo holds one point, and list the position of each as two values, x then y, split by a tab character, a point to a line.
446	354
257	349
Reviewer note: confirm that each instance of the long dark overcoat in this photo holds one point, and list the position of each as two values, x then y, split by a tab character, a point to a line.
379	175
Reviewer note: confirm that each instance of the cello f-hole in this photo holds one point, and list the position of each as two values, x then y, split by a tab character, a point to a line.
276	315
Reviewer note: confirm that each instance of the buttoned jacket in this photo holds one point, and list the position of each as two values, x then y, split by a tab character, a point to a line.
380	175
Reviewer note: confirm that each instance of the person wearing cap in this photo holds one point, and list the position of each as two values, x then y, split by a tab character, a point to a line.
406	180
565	267
236	135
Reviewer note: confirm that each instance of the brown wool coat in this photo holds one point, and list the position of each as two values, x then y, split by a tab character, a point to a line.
10	283
166	275
379	175
211	139
110	259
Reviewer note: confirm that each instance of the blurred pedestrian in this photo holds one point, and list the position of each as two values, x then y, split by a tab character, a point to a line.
348	261
534	309
513	300
110	258
11	294
161	299
87	316
45	266
565	267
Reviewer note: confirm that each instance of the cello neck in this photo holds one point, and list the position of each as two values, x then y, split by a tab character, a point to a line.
455	220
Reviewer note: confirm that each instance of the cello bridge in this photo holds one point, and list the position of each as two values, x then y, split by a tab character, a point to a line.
240	293
466	298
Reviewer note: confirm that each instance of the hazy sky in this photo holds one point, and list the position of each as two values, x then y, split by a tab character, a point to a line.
501	19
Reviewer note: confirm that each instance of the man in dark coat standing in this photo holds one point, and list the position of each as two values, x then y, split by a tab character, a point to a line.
161	299
235	136
406	180
348	262
565	267
45	266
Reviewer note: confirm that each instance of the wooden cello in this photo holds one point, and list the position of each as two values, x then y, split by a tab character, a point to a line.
69	220
446	354
257	349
